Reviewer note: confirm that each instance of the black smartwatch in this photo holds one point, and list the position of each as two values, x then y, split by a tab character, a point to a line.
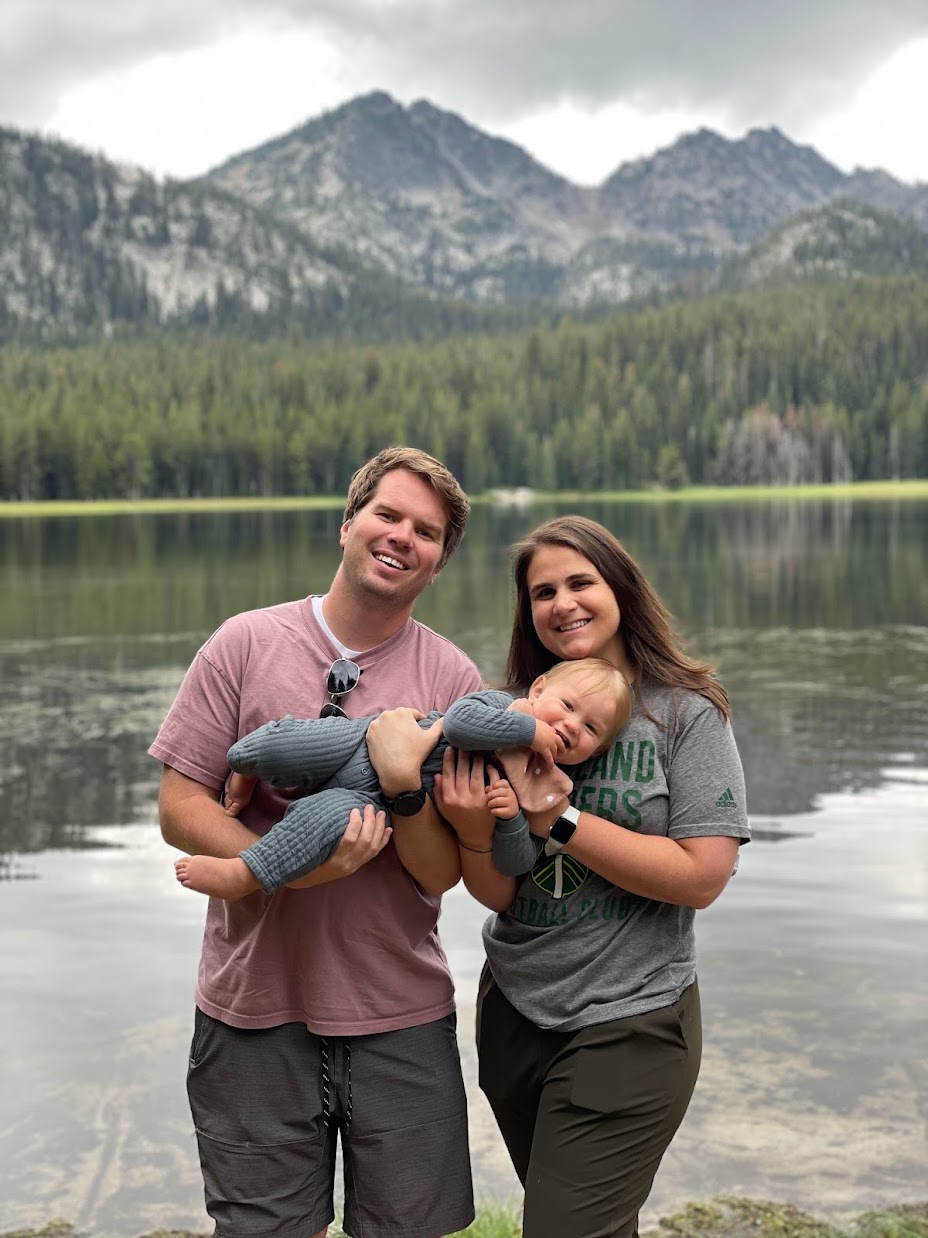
407	803
562	831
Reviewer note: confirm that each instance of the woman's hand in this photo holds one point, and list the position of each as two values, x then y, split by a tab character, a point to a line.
462	800
398	746
542	791
460	797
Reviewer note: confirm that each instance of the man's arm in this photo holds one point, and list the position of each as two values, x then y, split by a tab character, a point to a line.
194	821
426	847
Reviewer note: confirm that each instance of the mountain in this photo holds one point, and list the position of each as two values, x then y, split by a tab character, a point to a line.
378	219
421	193
713	194
87	244
844	239
89	241
442	205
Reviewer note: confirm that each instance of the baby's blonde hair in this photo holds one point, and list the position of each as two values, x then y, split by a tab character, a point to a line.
598	675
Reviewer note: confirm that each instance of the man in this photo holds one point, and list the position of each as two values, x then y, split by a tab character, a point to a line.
329	1008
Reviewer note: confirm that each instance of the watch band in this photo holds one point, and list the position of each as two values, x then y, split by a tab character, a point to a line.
562	831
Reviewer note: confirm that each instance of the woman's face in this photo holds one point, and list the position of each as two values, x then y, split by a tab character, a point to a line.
573	609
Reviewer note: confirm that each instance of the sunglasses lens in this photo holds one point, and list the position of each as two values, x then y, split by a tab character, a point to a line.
343	676
332	711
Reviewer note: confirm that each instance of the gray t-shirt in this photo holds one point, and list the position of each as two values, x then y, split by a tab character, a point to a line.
596	952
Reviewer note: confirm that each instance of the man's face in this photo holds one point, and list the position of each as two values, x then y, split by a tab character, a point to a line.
392	546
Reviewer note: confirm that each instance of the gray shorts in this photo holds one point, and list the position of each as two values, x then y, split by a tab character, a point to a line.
269	1105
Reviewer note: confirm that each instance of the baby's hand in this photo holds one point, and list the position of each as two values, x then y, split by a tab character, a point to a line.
238	794
521	705
501	799
547	743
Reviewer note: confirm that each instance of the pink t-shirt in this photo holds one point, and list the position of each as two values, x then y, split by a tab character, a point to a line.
354	956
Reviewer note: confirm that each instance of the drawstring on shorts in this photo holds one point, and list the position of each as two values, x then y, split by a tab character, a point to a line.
326	1085
329	1085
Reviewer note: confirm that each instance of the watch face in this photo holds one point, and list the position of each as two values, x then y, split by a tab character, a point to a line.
562	831
408	804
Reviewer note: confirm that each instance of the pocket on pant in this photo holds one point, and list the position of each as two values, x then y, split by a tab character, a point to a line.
273	1188
200	1029
635	1065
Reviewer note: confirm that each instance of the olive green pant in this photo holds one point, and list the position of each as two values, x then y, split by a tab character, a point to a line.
587	1115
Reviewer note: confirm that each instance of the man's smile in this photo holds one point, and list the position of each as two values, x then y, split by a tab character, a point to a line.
390	561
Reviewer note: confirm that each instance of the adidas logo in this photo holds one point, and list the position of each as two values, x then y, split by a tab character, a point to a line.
726	800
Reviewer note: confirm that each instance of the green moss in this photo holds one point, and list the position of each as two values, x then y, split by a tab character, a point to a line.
54	1229
727	1217
909	1221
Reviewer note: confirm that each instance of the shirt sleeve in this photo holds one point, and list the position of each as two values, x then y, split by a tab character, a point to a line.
482	721
203	722
706	780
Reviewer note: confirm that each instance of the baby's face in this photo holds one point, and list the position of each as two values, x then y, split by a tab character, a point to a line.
581	718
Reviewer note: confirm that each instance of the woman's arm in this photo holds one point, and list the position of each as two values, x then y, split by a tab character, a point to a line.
691	872
461	799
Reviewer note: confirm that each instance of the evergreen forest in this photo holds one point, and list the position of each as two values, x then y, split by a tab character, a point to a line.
813	382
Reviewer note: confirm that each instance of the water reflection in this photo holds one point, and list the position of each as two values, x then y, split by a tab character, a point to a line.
816	612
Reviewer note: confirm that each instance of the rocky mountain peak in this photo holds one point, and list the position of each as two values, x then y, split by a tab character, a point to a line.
421	195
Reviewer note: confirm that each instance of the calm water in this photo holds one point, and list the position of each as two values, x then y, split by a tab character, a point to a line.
815	1083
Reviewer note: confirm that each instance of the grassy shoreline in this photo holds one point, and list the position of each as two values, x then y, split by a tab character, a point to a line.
863	491
721	1217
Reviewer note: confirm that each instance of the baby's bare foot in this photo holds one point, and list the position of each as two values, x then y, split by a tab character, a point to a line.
229	879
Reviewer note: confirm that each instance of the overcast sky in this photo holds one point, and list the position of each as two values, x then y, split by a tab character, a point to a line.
179	85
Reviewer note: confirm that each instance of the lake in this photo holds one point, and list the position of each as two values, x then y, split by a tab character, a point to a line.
812	964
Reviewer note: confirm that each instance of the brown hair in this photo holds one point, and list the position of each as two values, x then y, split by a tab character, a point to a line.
368	478
599	675
646	627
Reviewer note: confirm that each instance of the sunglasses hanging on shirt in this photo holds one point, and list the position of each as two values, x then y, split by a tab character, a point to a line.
342	677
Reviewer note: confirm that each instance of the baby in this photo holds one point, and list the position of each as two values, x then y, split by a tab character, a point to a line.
571	713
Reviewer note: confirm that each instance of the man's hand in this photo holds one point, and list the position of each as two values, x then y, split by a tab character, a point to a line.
521	705
398	746
365	836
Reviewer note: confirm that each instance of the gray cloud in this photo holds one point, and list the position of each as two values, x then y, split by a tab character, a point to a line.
49	46
790	60
786	63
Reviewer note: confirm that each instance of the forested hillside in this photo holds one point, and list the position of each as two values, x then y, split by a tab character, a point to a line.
817	382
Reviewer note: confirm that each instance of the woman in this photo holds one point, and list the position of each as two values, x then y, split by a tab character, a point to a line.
588	1021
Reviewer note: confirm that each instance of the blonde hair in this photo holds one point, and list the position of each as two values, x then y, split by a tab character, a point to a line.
369	476
646	628
598	676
